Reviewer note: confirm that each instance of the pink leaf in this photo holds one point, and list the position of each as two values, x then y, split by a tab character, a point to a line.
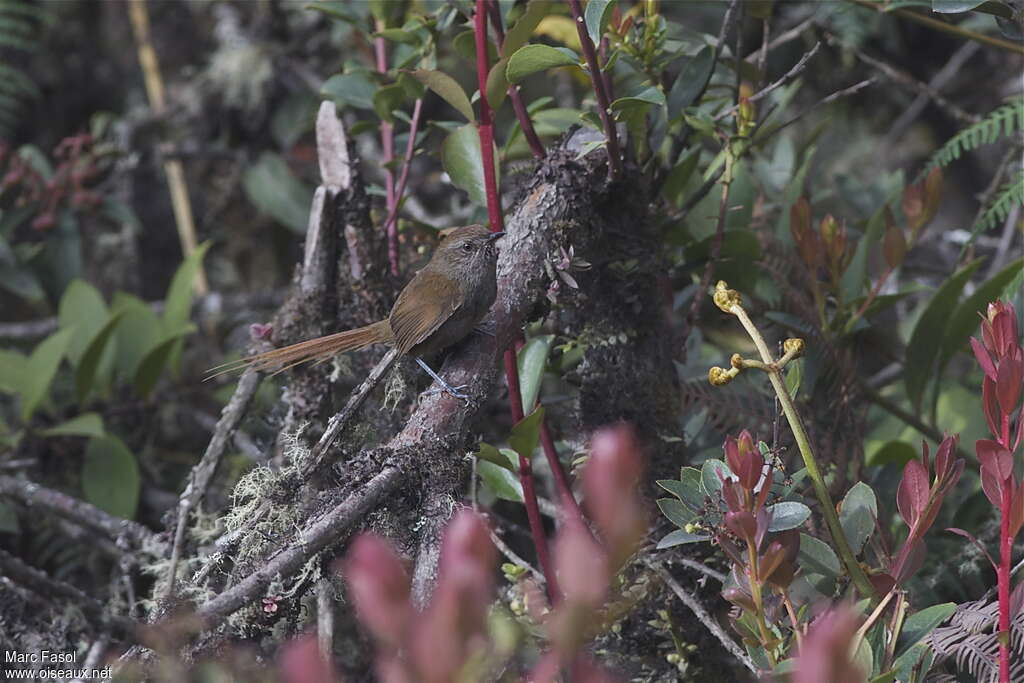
912	495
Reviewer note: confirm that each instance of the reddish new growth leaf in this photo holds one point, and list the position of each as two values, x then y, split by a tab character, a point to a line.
430	646
825	655
919	501
301	662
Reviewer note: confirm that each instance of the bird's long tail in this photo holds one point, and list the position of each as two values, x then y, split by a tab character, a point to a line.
316	350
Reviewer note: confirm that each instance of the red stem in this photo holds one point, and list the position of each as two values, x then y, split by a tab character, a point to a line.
387	143
486	129
603	103
1003	571
514	96
391	224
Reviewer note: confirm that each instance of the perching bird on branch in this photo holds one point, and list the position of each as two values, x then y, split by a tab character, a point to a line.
441	305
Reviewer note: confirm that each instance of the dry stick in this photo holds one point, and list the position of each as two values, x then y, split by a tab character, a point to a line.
78	511
855	88
203	471
906	79
49	589
325	618
797	69
313	538
486	130
513	557
514	96
173	168
387	143
702	615
391	224
603	103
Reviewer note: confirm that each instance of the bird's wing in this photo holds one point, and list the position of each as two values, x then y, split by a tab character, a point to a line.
415	316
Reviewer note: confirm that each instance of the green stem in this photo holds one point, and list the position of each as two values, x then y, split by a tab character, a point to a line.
939	25
755	593
860	579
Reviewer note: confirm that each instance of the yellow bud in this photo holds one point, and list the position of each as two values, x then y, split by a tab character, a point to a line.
794	345
719	376
726	298
736	361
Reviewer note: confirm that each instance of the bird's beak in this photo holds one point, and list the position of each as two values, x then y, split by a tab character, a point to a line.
494	237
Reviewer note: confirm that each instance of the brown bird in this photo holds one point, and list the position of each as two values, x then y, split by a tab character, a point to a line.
441	305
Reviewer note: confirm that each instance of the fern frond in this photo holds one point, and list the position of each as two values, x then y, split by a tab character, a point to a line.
1001	123
1011	194
20	27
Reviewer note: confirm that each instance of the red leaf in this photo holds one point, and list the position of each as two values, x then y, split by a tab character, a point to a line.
993	456
992	487
944	456
984	360
1008	383
911	558
1016	509
912	496
990	405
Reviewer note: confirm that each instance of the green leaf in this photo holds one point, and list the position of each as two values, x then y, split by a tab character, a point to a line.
96	366
966	319
86	424
461	159
83	309
679	537
41	367
855	277
531	360
350	90
596	15
448	88
387	99
787	515
691	81
920	624
816	557
500	481
677	513
712	474
917	658
645	97
794	375
857	515
13	371
530	59
138	331
156	359
272	188
687	489
526	433
898	453
955	6
489	453
178	300
520	33
675	183
497	84
110	477
931	326
14	277
397	35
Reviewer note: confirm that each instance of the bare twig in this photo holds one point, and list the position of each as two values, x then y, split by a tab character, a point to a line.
702	615
387	143
391	224
180	202
903	78
514	96
203	472
702	568
855	88
78	511
797	69
50	589
313	538
512	557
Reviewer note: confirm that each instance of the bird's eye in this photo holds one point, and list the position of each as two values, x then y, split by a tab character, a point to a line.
466	246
